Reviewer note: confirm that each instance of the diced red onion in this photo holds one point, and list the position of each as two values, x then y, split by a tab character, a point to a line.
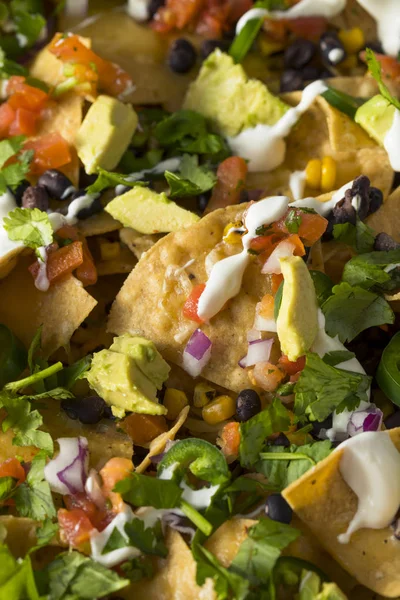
67	473
264	324
272	264
177	521
257	351
369	419
93	489
197	353
76	9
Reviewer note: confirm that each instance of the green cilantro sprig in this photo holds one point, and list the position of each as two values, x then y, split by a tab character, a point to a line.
191	180
12	174
374	67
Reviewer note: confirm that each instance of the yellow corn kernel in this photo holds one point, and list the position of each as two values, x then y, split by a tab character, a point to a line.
233	233
313	173
220	409
349	63
174	402
328	174
352	39
109	250
268	46
203	394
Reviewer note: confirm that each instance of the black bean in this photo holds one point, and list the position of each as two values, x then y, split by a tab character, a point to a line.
208	47
153	7
89	410
291	80
384	242
57	184
326	74
19	191
375	199
316	426
281	440
360	188
393	420
202	200
248	404
299	54
310	73
182	56
344	211
94	208
35	196
139	453
278	509
85	180
332	48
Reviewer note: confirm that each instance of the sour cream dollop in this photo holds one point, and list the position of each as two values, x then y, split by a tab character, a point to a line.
7	204
392	140
370	466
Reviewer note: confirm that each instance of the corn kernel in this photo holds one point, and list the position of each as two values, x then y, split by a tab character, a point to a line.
233	233
313	173
109	250
268	46
352	39
328	174
220	409
349	63
203	394
174	402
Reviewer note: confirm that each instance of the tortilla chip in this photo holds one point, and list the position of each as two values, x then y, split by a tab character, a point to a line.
138	243
363	86
353	15
49	68
20	534
61	309
323	500
387	218
124	263
150	302
98	224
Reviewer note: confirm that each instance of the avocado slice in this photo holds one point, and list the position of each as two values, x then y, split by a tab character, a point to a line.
105	133
224	94
148	212
297	322
117	379
146	357
376	117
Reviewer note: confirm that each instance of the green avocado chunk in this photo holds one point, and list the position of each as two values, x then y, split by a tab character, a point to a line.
105	133
145	355
224	94
297	322
148	212
128	375
376	117
310	588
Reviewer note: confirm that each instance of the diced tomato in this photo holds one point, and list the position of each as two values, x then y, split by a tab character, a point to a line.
229	440
265	308
75	527
290	367
86	272
25	96
276	281
13	468
390	65
112	79
143	428
267	376
51	152
295	240
264	244
99	517
113	471
310	28
7	116
312	227
24	123
61	262
15	84
231	180
191	305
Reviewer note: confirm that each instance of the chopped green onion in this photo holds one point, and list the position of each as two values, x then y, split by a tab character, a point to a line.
286	456
344	102
244	41
196	518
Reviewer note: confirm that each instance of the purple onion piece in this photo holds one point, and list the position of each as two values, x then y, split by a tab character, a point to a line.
75	474
197	353
178	522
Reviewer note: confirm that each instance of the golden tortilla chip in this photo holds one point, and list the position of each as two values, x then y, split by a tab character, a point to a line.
138	243
387	218
323	500
123	263
61	309
98	224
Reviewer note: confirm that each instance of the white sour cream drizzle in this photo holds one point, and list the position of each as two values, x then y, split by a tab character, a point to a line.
57	220
99	539
199	499
370	466
7	204
226	275
391	142
42	282
297	182
323	208
170	164
304	8
387	16
264	145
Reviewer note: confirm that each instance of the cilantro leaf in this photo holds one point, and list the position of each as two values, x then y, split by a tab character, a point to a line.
140	490
192	179
70	375
321	389
368	270
10	147
13	174
17	581
45	532
261	549
24	423
351	310
148	540
72	575
7	487
138	568
29	25
374	67
358	236
108	179
293	221
30	226
226	583
33	498
335	357
253	432
178	125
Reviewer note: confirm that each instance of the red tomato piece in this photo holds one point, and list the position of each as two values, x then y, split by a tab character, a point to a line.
231	180
13	468
7	116
229	440
51	152
25	122
75	527
26	96
310	28
61	262
86	272
292	367
191	305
